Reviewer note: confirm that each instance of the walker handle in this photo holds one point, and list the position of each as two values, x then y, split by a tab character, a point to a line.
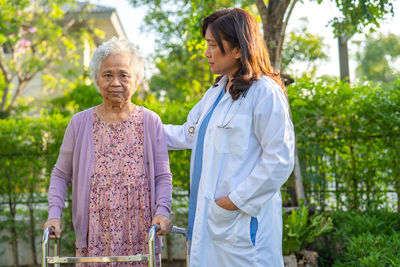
152	245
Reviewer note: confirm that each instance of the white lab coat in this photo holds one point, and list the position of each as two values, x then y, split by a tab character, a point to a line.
248	160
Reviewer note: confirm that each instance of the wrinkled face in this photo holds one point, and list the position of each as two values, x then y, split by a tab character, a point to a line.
221	64
115	80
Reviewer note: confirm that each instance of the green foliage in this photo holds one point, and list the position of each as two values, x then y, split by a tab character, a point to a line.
22	140
34	37
178	22
182	75
372	250
79	98
302	46
300	230
345	136
28	151
376	59
370	238
356	15
354	223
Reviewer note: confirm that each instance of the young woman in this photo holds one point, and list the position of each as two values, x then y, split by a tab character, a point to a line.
242	144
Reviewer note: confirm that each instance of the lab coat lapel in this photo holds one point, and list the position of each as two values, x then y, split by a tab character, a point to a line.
211	100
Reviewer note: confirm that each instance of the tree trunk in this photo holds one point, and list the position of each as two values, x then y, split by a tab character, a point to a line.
13	233
396	172
18	93
337	194
32	231
343	58
398	195
323	182
13	228
273	21
4	99
354	179
298	178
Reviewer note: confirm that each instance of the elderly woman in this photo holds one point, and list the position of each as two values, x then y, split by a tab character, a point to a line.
115	156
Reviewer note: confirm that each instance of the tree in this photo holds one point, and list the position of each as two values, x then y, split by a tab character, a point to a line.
34	36
303	47
180	77
356	15
376	59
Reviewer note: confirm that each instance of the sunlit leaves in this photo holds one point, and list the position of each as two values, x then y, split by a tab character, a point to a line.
303	47
357	14
35	36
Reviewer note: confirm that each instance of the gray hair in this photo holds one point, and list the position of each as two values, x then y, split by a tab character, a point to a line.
116	46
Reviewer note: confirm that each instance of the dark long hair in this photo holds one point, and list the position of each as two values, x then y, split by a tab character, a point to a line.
240	29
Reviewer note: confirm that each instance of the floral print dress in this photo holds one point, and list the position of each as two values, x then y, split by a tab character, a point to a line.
119	198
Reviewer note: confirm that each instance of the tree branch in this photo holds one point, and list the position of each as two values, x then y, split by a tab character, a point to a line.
6	88
3	70
18	92
4	99
23	81
278	63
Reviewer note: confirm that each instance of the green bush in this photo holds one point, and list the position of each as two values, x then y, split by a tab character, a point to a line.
370	238
371	250
346	135
28	151
373	221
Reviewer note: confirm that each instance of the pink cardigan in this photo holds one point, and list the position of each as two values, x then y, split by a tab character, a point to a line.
75	162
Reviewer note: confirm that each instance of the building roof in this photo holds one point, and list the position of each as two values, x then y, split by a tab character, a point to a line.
94	7
106	14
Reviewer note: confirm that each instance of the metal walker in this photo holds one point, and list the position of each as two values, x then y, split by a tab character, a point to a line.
150	258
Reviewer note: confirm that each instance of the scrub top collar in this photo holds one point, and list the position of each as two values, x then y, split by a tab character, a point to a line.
222	81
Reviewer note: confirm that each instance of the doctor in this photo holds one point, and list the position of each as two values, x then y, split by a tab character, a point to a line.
242	144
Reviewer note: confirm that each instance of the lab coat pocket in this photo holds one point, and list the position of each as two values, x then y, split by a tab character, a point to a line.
234	136
229	226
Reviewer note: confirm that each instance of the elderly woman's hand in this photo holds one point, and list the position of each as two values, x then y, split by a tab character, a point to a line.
164	224
56	225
